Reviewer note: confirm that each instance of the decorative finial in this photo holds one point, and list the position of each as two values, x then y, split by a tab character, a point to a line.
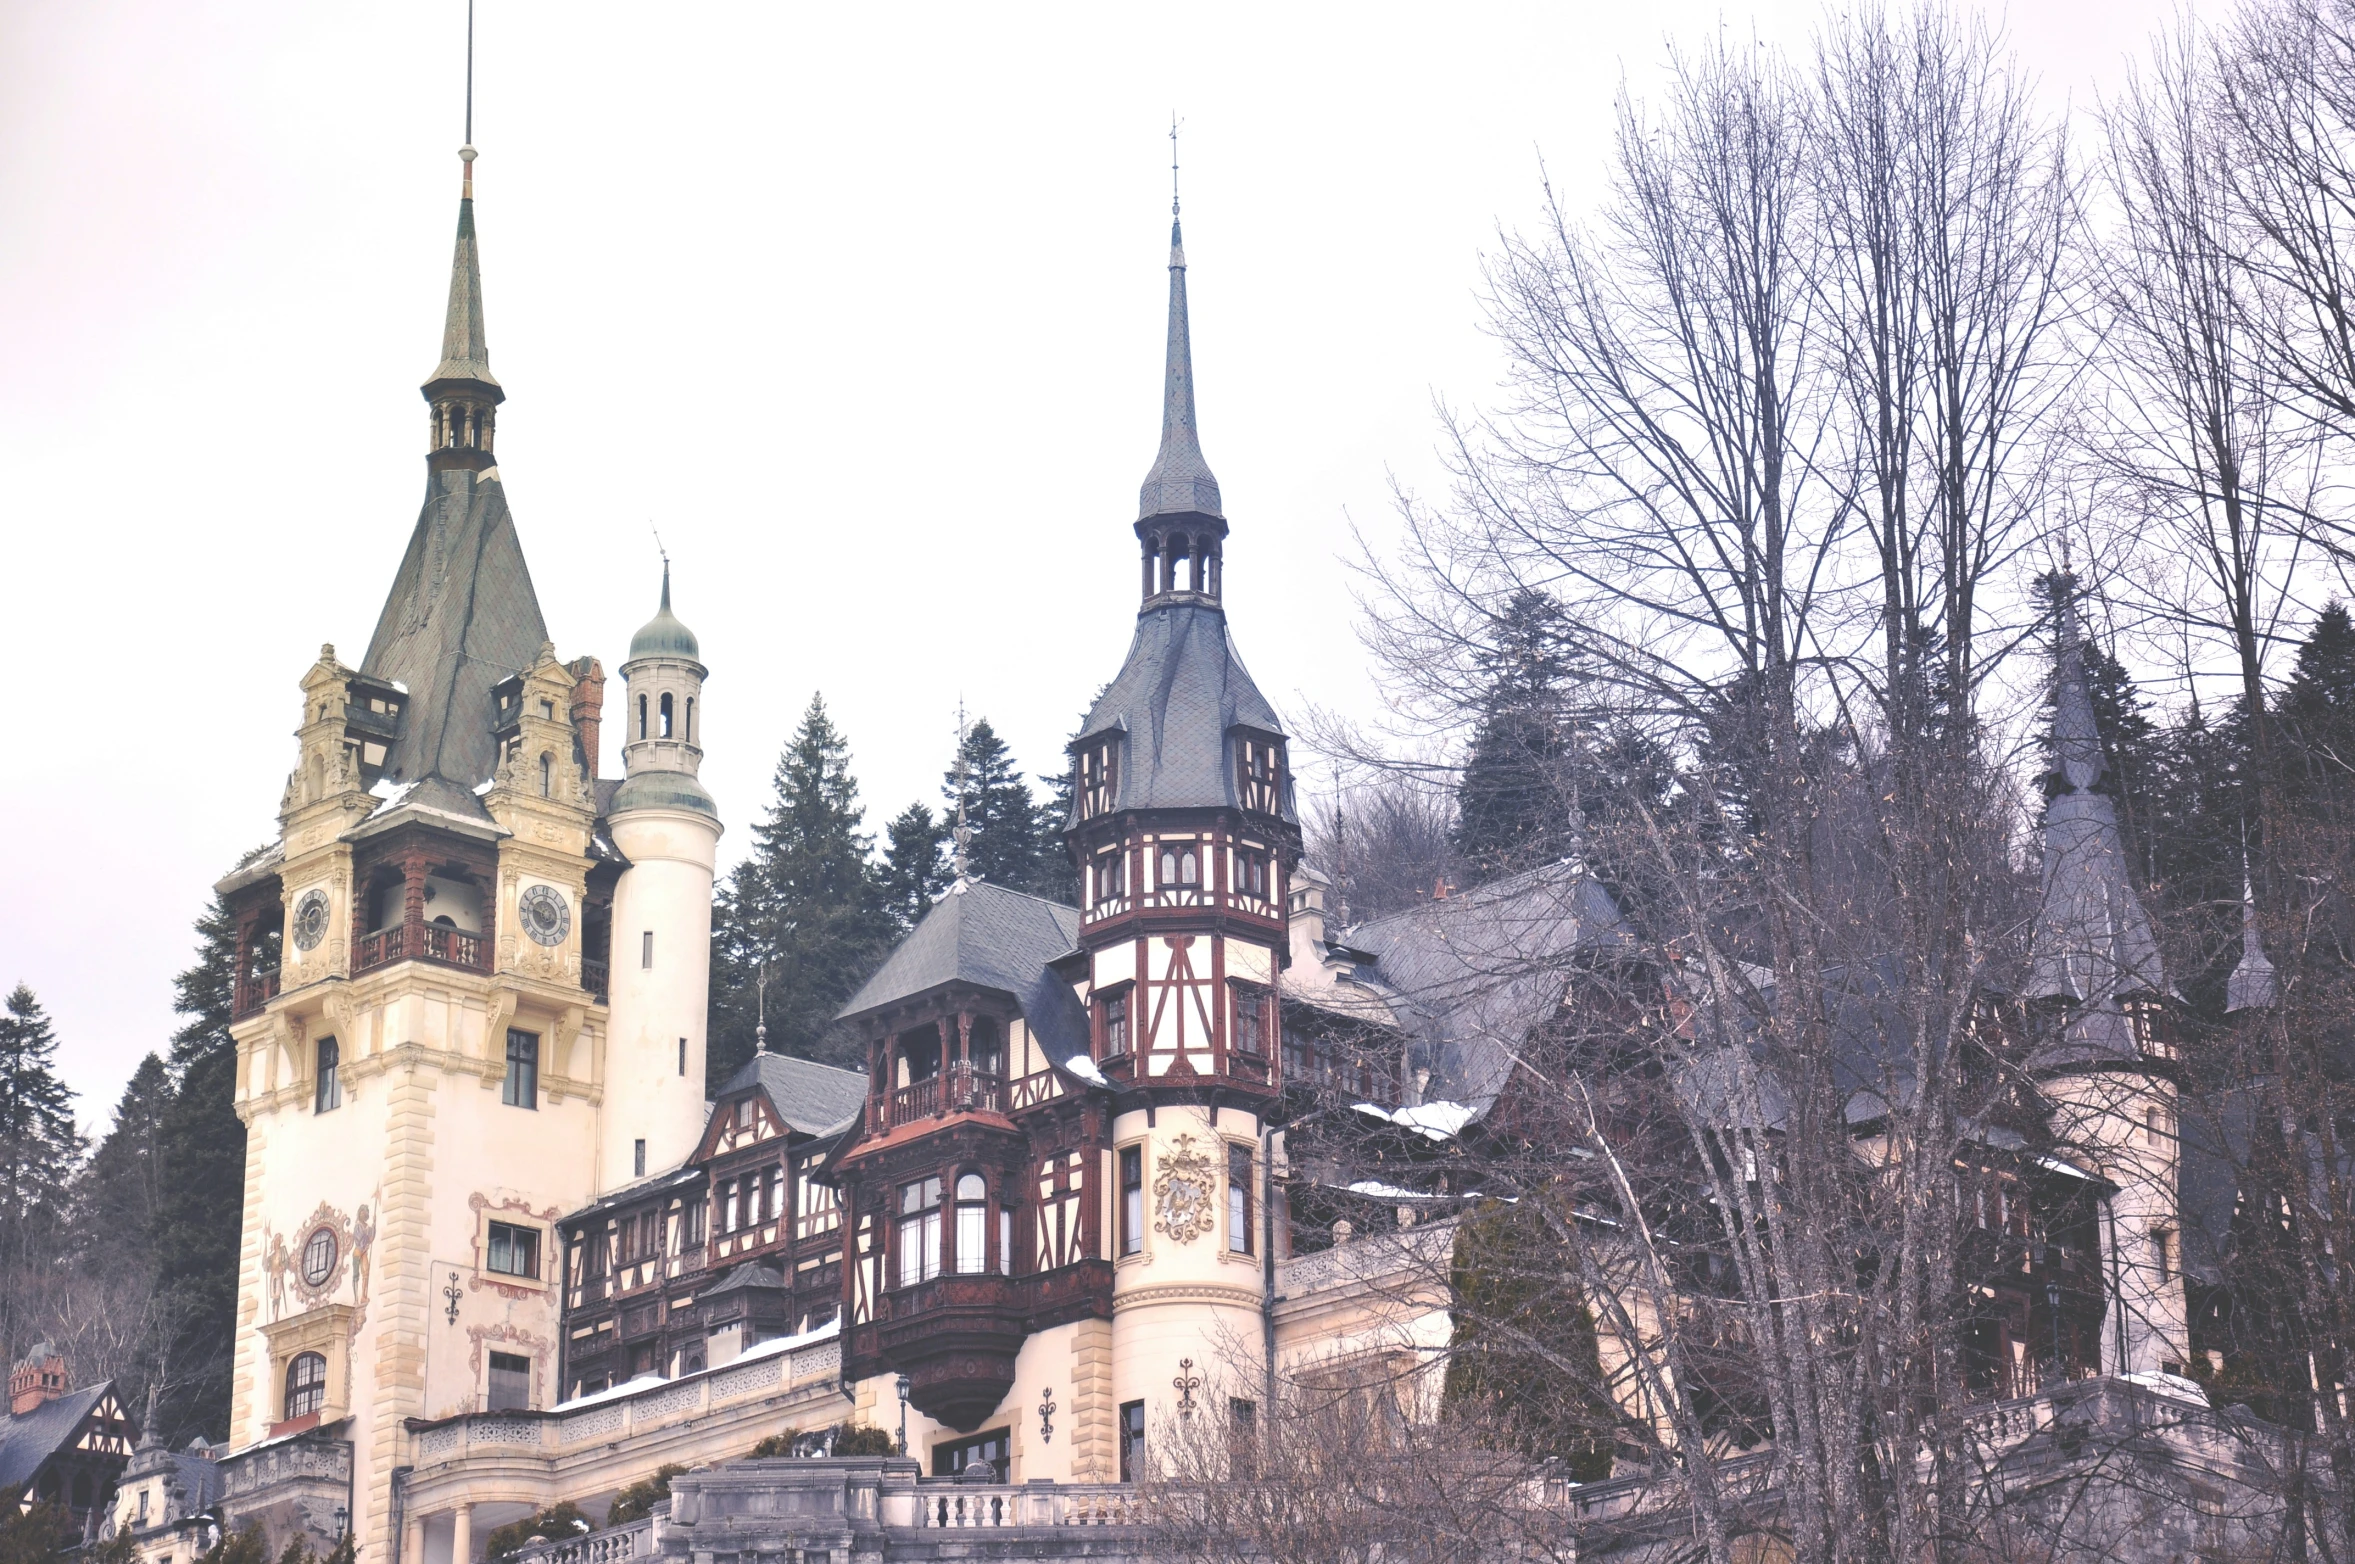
466	153
666	564
760	1031
960	856
1174	123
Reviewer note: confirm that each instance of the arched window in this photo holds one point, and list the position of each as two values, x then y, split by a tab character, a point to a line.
666	715
689	733
306	1385
972	1224
641	716
547	776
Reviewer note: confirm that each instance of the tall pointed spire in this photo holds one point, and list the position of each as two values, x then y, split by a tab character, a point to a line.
466	357
1180	482
2092	944
2252	985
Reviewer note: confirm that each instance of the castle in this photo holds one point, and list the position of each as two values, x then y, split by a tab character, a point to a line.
499	1250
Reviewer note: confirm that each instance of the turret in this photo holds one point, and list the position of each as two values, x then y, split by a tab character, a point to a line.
2104	1058
668	828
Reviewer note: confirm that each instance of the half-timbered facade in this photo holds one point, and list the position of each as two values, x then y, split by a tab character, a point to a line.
740	1245
62	1445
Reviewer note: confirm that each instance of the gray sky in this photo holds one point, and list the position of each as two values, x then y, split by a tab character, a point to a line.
861	305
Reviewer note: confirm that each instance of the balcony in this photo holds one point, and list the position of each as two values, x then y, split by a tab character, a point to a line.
956	1338
597	978
254	991
960	1089
420	942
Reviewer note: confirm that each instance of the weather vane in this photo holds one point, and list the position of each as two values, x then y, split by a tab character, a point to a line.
1174	123
960	857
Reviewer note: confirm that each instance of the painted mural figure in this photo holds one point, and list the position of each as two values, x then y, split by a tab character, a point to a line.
363	1235
274	1262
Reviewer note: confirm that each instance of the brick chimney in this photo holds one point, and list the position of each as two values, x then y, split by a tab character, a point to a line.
588	709
39	1377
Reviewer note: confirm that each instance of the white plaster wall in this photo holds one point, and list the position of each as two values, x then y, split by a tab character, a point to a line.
1197	1301
2106	1116
666	889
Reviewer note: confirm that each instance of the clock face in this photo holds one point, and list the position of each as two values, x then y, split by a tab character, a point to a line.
310	919
546	915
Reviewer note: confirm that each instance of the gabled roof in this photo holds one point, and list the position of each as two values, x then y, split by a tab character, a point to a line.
1181	689
1468	977
996	939
32	1438
812	1098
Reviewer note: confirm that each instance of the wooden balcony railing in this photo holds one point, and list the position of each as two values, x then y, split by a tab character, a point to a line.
961	1089
596	977
254	991
420	942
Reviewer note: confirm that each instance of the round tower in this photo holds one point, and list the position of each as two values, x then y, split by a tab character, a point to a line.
1184	830
668	828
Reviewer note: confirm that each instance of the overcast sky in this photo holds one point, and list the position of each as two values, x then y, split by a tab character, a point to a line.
862	305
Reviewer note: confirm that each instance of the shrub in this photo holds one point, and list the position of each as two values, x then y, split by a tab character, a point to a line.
556	1522
638	1500
859	1439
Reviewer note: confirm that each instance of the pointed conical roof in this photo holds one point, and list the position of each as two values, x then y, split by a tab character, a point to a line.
2252	985
1180	482
465	353
2092	944
462	615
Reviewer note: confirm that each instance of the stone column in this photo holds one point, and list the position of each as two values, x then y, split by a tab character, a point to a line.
413	1540
462	1534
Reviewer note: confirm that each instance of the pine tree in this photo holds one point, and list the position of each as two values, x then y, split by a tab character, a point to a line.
39	1151
806	905
119	1197
203	1204
2317	707
1511	806
915	864
1010	835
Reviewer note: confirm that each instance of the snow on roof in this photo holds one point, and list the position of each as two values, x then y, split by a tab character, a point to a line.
1438	1120
1085	1068
1382	1191
628	1387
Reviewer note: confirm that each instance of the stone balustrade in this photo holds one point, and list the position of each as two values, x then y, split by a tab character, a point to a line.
1400	1255
624	1413
615	1545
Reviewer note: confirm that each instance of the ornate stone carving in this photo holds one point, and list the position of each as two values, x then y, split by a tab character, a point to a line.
1183	1183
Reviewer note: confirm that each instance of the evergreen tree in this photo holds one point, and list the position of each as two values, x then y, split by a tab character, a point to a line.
806	905
203	1200
2317	707
915	864
1013	844
119	1197
1511	806
39	1149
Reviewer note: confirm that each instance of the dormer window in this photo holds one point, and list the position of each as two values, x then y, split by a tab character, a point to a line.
1259	766
1099	777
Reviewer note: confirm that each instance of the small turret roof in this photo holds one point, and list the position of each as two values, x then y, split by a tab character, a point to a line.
2092	946
1180	691
465	353
664	635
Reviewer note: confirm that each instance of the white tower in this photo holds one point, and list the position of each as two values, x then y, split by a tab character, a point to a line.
668	828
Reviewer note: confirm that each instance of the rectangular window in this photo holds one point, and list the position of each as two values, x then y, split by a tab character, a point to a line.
1239	1183
522	1087
949	1460
919	1232
682	1056
511	1382
972	1237
1132	1200
2163	1252
1005	1242
646	950
1132	1440
514	1251
1248	1034
1116	1023
692	1221
772	1195
330	1089
1111	876
638	1158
